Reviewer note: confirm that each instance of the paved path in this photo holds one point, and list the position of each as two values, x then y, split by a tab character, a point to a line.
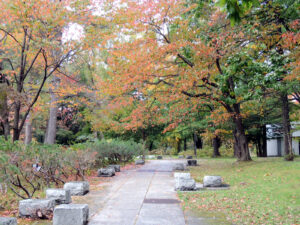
144	196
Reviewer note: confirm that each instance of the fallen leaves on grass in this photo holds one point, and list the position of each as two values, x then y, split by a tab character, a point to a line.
263	198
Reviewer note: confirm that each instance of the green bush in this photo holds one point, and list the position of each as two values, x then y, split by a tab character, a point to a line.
64	136
117	150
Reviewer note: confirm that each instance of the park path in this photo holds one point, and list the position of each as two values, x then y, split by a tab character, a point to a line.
142	196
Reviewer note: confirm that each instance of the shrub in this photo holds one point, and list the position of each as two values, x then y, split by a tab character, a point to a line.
207	151
117	150
81	157
25	169
64	136
17	172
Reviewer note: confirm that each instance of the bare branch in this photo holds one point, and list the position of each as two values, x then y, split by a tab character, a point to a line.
9	34
32	63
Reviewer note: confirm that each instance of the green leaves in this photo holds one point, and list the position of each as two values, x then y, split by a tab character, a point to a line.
3	158
236	9
116	149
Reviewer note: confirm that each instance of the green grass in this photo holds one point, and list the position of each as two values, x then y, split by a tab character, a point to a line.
264	191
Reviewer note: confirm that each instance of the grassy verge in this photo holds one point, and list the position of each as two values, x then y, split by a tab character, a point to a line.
264	191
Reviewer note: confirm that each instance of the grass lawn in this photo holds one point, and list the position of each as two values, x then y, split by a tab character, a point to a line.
264	191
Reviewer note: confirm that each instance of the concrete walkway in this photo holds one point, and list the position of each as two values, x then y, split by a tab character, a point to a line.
142	196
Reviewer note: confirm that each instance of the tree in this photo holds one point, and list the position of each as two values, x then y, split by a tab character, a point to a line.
279	28
31	46
52	126
189	50
186	60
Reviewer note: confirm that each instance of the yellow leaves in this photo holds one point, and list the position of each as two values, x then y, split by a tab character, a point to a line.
151	87
253	46
170	58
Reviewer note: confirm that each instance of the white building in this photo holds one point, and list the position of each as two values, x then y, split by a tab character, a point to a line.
275	142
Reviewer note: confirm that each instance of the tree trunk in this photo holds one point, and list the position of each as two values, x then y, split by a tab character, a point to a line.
241	142
258	147
289	156
4	113
16	130
28	122
178	146
151	146
199	143
50	135
185	144
144	137
261	142
28	130
235	147
264	141
216	145
195	139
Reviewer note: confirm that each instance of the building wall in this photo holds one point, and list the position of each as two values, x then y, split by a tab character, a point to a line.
296	147
296	133
275	146
272	147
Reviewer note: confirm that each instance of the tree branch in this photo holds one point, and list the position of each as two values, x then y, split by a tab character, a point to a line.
32	63
9	34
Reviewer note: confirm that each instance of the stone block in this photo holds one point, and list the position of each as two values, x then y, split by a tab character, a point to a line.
189	157
61	196
139	162
212	181
181	157
106	172
116	167
182	175
159	157
77	187
199	186
179	166
36	208
192	162
182	184
71	214
8	221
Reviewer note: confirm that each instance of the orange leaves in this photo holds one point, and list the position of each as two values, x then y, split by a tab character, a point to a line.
220	116
290	39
